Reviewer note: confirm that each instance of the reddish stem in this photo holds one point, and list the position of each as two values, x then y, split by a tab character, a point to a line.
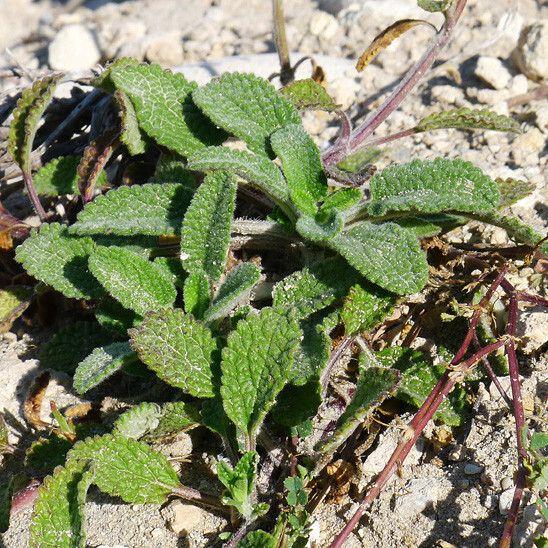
35	200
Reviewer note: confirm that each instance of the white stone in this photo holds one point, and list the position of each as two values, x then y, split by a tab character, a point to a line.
419	493
344	91
323	24
505	501
493	72
530	143
519	85
541	114
183	518
165	49
531	55
448	94
74	47
532	328
506	483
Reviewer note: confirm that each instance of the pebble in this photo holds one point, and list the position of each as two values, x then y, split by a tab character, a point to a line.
533	328
471	469
74	47
519	85
529	143
505	501
420	493
456	453
506	483
448	94
541	115
334	6
183	518
165	49
324	24
531	55
493	72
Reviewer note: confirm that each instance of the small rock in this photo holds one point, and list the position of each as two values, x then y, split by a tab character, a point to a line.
323	24
74	47
530	143
165	49
334	6
529	525
183	518
491	96
463	483
505	501
344	91
541	115
448	94
456	453
471	469
493	72
519	85
506	483
531	55
420	493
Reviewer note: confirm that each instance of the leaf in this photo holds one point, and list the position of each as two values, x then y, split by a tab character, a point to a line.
131	135
170	169
205	235
58	515
175	417
365	307
196	294
513	190
386	37
302	166
179	349
312	355
430	225
418	378
60	260
539	440
135	282
70	345
164	108
257	539
315	287
126	468
467	118
150	209
342	199
6	493
235	289
385	254
357	161
102	363
138	421
26	115
295	404
246	106
309	95
432	186
14	301
256	170
45	454
320	229
114	317
255	366
173	268
435	5
239	482
374	385
60	176
10	227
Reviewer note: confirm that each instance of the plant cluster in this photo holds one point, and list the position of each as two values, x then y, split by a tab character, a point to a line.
164	269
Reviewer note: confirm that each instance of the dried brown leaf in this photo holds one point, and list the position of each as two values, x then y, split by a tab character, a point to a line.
33	401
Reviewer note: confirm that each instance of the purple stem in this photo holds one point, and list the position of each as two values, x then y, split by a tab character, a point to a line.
29	185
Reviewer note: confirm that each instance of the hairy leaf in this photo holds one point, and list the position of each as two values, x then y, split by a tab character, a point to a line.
295	404
255	366
45	454
386	37
385	254
324	226
196	294
150	209
246	106
234	290
58	515
126	468
302	166
312	355
164	107
512	191
239	482
102	363
315	287
432	186
435	5
131	135
424	226
175	417
307	94
256	170
467	118
26	115
13	302
114	317
205	235
60	260
342	199
138	421
170	169
257	539
135	282
179	349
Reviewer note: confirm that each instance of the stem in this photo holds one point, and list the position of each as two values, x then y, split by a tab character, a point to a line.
280	40
29	185
193	495
390	138
238	535
333	359
409	81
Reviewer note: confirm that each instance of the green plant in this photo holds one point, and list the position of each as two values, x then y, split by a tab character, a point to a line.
151	262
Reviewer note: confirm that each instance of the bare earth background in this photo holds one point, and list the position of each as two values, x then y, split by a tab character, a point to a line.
459	498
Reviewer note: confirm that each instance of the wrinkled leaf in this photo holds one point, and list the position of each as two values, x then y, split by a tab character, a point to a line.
196	294
257	539
342	199
435	5
45	454
320	229
513	190
13	302
467	118
309	95
131	135
296	404
114	317
239	482
313	353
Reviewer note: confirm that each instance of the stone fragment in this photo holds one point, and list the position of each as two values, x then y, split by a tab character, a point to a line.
531	54
74	47
493	72
530	143
334	6
323	24
505	501
448	94
471	469
184	518
419	494
164	49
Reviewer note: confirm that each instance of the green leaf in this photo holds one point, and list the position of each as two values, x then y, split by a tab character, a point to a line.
150	209
102	363
430	225
45	454
234	290
313	353
365	307
196	294
239	482
539	440
164	108
255	366
432	186
258	171
60	176
385	254
374	385
318	229
296	404
70	345
60	260
205	235
179	349
302	166
257	539
170	169
356	162
126	468
6	493
175	417
513	190
138	421
307	94
26	115
435	5
114	317
14	301
135	282
418	378
131	135
342	199
467	118
296	494
246	106
315	287
173	268
58	515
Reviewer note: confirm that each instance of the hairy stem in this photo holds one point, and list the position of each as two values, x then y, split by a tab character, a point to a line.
238	535
29	185
280	40
193	495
